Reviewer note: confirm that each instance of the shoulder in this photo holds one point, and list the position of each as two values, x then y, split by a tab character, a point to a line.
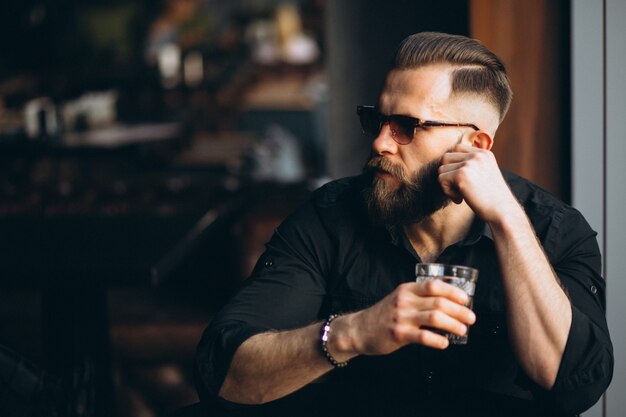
340	191
334	210
536	201
555	221
530	194
340	202
330	207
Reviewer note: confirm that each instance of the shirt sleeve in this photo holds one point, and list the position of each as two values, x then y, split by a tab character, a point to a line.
586	368
285	291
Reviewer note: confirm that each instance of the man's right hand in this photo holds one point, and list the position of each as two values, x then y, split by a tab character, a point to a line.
405	316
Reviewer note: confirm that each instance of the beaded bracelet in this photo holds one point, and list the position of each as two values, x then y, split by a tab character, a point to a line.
324	341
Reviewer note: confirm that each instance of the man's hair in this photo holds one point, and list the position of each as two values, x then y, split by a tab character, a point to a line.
478	70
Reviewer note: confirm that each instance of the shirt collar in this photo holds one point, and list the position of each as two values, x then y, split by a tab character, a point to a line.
479	229
396	234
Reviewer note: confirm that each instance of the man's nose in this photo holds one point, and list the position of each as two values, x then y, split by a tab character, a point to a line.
384	143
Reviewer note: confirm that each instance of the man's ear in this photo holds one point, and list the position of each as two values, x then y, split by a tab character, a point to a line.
481	139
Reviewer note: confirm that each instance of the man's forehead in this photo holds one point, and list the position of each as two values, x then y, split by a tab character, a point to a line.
425	86
430	77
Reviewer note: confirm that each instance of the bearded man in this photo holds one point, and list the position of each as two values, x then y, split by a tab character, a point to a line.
332	321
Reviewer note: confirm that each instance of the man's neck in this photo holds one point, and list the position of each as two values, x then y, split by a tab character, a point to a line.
434	234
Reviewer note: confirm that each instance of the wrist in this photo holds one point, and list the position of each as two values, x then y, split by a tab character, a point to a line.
340	343
509	218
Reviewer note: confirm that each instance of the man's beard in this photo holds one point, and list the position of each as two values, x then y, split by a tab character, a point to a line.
415	198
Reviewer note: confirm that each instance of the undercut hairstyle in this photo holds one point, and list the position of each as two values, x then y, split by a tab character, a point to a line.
477	70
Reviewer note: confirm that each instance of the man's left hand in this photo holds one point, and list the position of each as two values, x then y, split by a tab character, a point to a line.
472	174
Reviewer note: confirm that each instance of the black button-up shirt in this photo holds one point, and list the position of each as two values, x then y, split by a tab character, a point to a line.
327	258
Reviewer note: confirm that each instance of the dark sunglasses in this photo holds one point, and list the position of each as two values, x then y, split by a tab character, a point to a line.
402	127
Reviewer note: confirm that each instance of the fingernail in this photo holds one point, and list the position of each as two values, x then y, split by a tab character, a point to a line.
472	316
463	329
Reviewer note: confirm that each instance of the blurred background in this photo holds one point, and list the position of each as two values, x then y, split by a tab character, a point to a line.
149	148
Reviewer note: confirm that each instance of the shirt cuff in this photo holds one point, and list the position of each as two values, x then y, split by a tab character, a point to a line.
215	353
586	367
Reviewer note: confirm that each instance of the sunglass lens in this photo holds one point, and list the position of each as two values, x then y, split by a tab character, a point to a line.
372	121
402	129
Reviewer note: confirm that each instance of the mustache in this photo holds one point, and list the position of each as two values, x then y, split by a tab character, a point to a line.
382	163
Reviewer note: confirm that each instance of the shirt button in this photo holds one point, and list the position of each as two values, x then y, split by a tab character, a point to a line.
269	263
593	289
496	329
429	382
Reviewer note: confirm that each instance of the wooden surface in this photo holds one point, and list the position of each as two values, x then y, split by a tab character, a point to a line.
530	36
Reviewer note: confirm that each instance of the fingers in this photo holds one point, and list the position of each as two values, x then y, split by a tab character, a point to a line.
454	310
450	318
459	153
462	169
449	187
451	164
438	288
438	320
424	337
437	305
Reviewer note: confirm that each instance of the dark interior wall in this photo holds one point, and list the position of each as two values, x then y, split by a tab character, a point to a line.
361	38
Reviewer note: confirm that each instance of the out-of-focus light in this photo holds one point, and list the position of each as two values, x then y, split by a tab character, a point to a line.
169	65
193	68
